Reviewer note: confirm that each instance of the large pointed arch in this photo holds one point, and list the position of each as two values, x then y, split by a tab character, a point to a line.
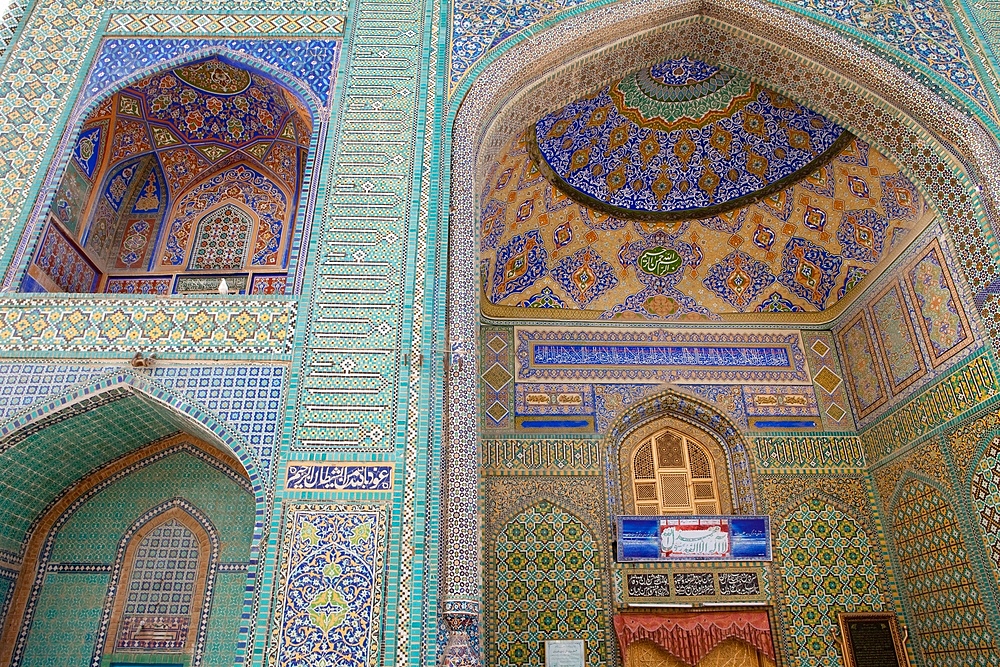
185	417
947	155
304	197
45	528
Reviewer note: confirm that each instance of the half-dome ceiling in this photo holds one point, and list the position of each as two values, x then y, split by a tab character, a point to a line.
681	139
832	213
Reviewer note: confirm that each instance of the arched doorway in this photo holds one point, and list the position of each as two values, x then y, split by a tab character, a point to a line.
129	539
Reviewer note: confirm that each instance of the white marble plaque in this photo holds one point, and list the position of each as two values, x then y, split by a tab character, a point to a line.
564	653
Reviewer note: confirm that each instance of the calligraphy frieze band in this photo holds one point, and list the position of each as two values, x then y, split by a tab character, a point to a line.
660	355
324	476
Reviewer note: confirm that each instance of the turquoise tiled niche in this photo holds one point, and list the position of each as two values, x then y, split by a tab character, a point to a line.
66	620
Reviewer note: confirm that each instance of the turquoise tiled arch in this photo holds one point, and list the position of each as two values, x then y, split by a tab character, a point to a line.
177	414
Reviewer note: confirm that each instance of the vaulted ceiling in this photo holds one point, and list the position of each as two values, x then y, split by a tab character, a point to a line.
684	191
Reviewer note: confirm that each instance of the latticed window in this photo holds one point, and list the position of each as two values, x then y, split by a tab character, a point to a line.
673	474
160	590
223	240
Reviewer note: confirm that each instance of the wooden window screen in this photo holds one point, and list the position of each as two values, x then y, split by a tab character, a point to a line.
673	474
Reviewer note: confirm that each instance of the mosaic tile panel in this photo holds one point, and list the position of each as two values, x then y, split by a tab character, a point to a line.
862	366
950	621
497	377
540	454
7	579
986	499
64	263
188	326
160	286
659	355
478	27
646	114
941	316
923	31
311	61
828	565
227	595
24	384
92	533
65	625
91	540
245	399
897	341
548	585
224	24
831	391
330	586
54	456
821	451
973	383
589	260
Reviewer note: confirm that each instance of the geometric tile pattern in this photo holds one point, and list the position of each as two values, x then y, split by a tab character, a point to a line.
248	400
311	61
941	591
175	325
548	586
986	497
224	24
161	583
222	239
24	384
828	565
64	630
496	382
831	391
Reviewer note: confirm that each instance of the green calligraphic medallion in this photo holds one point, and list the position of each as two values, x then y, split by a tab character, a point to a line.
660	261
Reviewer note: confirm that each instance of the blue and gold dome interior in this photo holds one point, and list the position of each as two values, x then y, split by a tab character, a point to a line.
185	176
686	191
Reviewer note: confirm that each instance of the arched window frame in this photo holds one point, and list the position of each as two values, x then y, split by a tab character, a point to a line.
204	219
641	436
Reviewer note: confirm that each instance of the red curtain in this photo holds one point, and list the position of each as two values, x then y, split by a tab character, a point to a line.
692	636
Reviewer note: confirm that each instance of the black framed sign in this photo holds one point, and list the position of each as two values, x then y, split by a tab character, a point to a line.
872	640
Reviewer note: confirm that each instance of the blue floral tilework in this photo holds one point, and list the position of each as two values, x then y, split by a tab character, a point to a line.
921	29
478	27
312	61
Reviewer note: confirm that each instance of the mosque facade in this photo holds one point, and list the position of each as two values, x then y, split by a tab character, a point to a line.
562	333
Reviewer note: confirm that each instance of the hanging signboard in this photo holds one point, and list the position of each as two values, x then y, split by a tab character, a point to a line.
684	538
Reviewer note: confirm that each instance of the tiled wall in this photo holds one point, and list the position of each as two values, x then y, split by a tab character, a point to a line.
67	617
